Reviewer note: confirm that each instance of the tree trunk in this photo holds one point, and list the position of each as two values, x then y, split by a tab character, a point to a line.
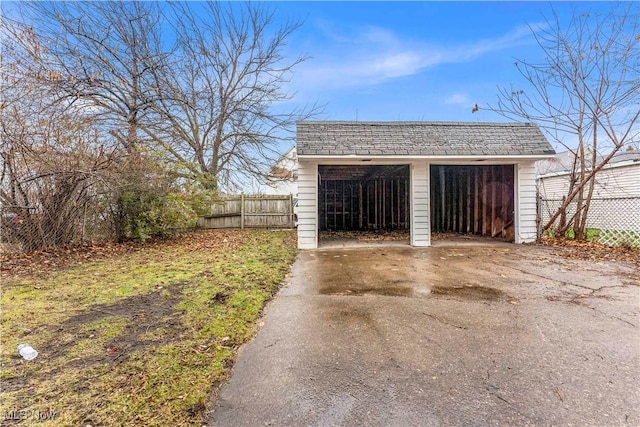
581	185
594	159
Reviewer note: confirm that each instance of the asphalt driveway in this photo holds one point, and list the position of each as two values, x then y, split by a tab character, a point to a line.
467	336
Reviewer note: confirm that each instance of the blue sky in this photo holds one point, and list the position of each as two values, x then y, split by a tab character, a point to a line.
418	60
413	60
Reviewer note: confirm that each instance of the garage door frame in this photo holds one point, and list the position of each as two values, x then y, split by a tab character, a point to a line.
420	229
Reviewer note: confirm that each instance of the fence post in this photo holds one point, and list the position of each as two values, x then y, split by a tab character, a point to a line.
539	214
242	211
292	222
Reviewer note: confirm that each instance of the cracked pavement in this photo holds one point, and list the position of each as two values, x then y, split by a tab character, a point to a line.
469	336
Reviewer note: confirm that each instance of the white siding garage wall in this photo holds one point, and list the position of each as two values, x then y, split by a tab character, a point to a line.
420	227
307	205
526	202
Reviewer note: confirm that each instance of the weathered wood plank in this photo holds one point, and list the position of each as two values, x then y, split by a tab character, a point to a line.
468	173
250	211
476	205
493	200
485	201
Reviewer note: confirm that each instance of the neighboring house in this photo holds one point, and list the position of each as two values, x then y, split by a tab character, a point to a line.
618	179
615	201
474	178
283	176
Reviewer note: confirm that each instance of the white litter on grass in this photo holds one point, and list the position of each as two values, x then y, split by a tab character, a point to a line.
27	352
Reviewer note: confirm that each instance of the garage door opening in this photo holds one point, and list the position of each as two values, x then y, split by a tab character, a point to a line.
364	203
472	200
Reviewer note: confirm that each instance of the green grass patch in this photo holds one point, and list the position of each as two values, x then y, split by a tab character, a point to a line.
624	238
139	338
592	233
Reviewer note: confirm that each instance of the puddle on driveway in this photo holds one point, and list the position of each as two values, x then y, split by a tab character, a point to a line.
470	292
402	273
391	291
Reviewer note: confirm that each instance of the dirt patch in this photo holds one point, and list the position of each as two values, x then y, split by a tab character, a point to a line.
472	292
144	314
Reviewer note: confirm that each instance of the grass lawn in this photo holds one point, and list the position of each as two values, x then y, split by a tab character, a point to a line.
134	335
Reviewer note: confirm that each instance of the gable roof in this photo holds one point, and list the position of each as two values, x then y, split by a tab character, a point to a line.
337	139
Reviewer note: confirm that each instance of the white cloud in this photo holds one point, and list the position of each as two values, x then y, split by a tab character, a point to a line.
516	37
372	55
460	100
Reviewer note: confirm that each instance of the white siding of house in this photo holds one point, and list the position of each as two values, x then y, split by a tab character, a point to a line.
526	211
623	181
307	205
613	182
553	187
616	197
282	187
420	227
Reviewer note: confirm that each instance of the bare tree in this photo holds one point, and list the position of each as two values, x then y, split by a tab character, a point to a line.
99	57
587	86
202	84
98	61
78	78
54	164
221	106
139	97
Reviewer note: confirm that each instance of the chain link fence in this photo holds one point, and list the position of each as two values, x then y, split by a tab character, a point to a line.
24	230
610	221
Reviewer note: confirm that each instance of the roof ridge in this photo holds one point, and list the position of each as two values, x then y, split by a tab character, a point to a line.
404	123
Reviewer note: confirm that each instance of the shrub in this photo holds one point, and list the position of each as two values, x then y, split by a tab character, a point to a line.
145	214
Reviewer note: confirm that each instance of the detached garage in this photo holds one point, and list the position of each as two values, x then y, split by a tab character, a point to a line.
424	177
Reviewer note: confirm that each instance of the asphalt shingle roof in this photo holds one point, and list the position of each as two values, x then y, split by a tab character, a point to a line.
420	139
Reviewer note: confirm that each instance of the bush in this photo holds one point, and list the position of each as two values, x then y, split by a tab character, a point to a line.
146	214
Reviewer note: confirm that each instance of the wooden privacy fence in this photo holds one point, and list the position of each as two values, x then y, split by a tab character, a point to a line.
246	211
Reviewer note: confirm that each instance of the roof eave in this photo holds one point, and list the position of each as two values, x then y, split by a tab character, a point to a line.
477	158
